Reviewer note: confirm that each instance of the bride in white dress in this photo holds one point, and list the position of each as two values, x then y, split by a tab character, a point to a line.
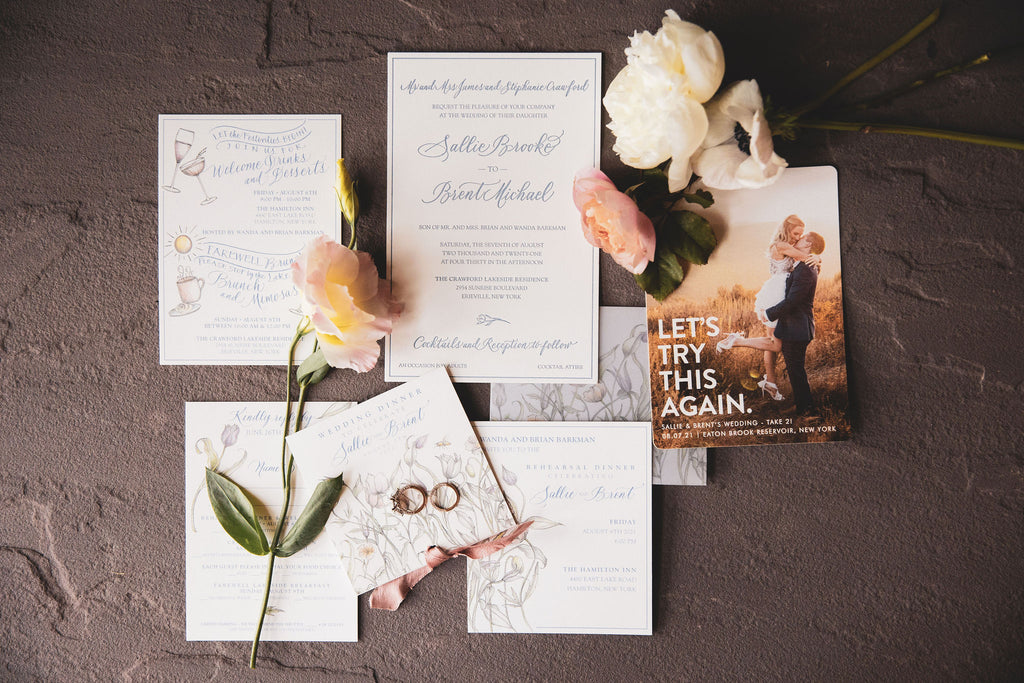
782	258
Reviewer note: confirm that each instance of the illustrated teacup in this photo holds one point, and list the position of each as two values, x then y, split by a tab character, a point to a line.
190	288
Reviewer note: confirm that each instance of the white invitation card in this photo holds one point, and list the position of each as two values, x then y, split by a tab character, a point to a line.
585	564
310	599
415	476
484	242
239	198
621	394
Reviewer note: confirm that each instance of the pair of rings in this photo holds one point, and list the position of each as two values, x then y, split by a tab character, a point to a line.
406	503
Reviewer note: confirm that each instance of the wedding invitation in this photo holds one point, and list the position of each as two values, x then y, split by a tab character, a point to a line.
622	394
585	564
713	383
311	599
484	242
239	197
415	476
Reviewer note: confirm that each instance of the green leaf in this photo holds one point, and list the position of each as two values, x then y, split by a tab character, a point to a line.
313	518
313	369
235	513
684	237
699	230
701	197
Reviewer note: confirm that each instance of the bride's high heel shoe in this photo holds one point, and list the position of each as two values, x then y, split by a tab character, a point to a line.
729	340
771	389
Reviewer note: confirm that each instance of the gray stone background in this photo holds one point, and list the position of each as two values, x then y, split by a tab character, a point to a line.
895	555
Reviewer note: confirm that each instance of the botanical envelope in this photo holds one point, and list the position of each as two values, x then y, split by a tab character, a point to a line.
415	434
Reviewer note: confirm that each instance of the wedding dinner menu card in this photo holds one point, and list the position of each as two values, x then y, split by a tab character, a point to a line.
311	600
622	393
484	242
585	564
239	197
410	448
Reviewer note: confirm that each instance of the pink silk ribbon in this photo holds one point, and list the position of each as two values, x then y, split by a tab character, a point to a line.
390	595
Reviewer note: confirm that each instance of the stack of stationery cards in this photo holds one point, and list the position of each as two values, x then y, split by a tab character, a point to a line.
311	599
621	394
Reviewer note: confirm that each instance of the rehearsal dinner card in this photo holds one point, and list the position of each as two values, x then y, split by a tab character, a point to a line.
416	435
311	599
708	362
622	394
239	197
585	564
484	243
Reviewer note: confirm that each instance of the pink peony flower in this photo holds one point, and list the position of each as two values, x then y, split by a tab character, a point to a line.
350	306
612	221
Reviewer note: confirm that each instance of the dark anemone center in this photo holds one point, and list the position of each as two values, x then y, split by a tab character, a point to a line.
742	138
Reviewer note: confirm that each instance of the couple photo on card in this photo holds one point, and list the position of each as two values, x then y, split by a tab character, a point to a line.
765	357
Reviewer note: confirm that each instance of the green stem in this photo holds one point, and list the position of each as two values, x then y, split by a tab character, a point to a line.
300	332
861	127
352	238
868	65
890	95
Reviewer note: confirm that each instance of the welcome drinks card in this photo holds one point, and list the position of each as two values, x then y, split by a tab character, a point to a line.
749	349
621	394
585	565
311	598
484	246
415	476
239	197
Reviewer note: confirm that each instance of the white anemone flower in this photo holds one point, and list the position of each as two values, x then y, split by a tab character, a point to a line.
737	151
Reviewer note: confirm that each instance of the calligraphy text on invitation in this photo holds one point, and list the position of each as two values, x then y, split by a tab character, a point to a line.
484	242
239	197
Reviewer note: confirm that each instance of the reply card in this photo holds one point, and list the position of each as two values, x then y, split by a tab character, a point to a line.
239	197
311	599
585	566
416	435
622	393
484	243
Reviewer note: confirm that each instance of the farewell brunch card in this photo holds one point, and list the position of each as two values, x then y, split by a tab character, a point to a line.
484	245
585	565
239	197
415	476
750	348
622	394
311	599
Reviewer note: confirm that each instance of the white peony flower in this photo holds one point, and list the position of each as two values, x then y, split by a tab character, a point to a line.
738	151
655	101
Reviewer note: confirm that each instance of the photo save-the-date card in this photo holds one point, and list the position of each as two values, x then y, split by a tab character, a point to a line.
312	598
585	564
484	246
622	394
749	349
239	197
415	476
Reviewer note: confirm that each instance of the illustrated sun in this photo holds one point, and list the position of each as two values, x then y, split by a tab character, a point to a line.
182	243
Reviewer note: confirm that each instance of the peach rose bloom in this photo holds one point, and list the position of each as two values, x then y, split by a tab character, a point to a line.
350	306
612	221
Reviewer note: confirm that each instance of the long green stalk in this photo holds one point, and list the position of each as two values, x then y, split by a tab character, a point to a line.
863	127
868	65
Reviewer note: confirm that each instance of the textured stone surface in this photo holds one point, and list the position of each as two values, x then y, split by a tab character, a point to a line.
896	555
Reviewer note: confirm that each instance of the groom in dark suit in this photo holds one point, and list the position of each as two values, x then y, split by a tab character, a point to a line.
795	328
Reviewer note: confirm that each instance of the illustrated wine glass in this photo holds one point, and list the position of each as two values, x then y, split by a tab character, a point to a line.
182	144
194	168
